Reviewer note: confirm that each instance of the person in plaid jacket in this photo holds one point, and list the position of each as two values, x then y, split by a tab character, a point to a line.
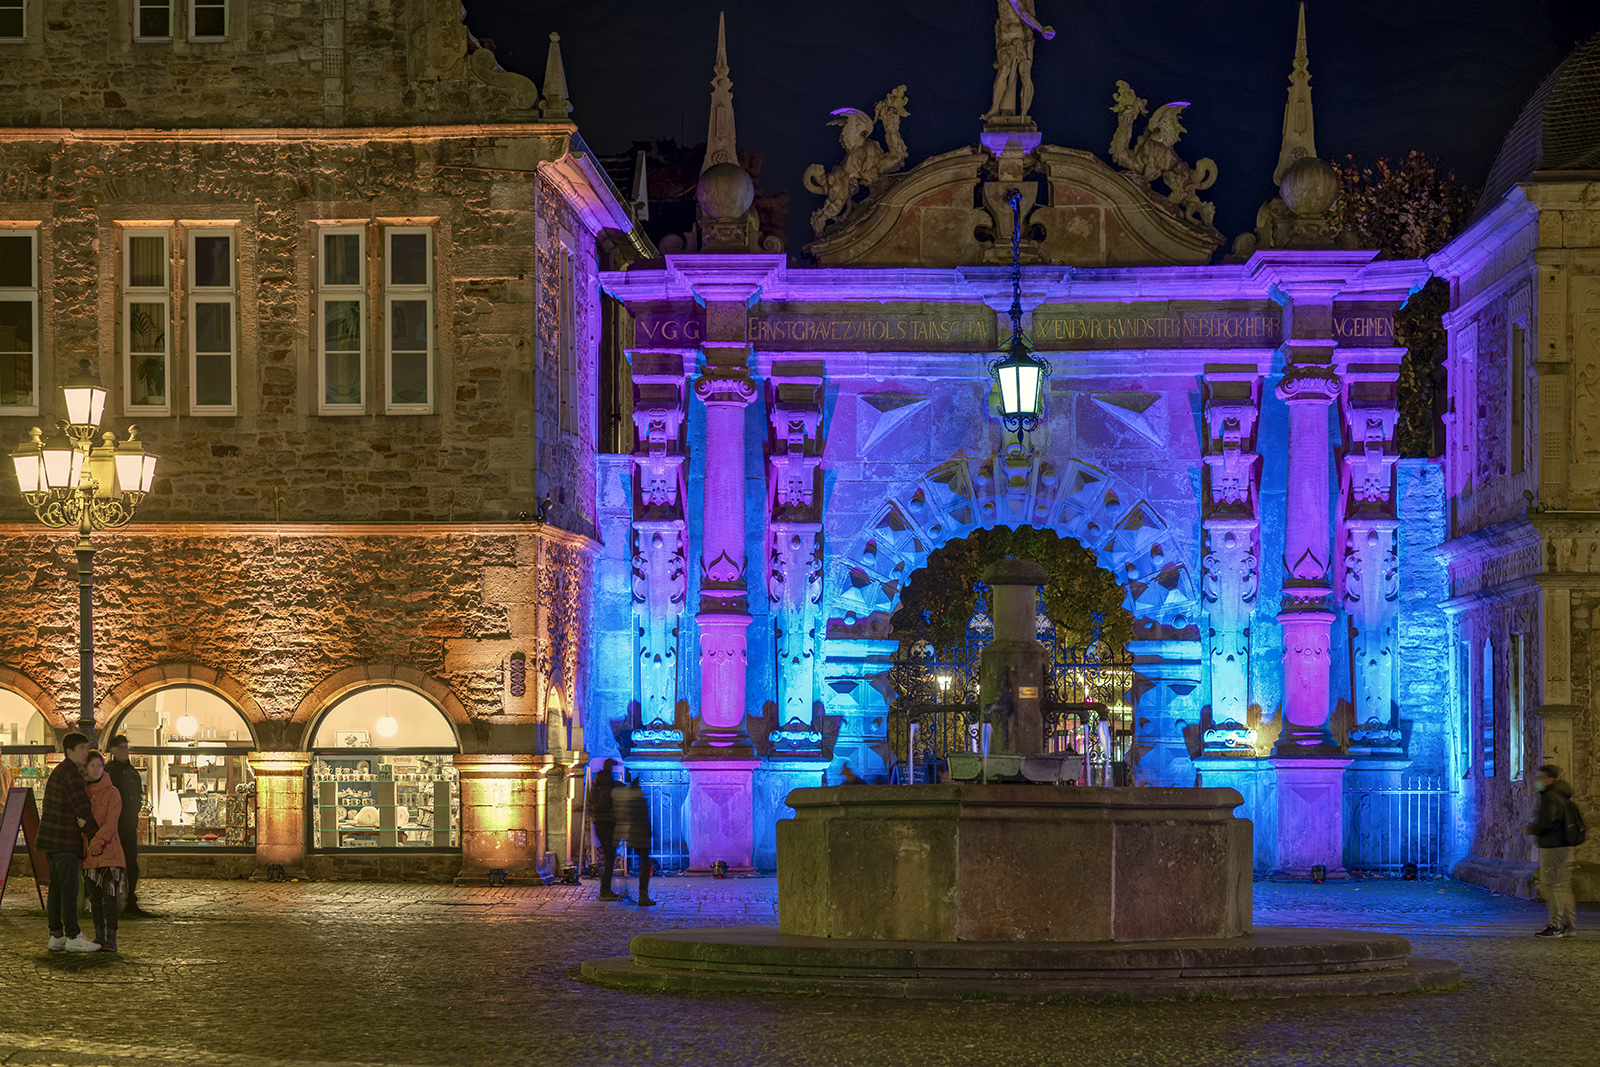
67	816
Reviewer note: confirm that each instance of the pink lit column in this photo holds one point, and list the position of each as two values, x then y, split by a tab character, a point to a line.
721	762
1309	763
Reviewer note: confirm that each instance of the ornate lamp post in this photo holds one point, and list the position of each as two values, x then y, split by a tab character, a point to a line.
71	480
1021	374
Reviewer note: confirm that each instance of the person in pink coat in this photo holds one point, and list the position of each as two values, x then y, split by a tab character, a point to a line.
104	867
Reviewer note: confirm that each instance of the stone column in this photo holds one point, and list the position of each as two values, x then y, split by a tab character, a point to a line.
1310	765
503	817
281	809
721	761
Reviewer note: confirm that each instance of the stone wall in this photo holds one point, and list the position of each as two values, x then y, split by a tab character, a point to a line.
383	63
494	445
284	620
1423	627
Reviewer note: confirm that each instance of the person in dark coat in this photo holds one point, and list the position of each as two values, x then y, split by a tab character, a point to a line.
130	785
633	822
66	819
1549	827
602	809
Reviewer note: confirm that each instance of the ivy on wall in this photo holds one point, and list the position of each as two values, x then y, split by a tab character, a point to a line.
1409	208
1077	589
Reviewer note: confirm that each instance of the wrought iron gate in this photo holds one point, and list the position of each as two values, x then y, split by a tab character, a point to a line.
935	688
1390	828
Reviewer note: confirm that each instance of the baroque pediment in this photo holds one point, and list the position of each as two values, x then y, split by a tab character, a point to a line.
1085	214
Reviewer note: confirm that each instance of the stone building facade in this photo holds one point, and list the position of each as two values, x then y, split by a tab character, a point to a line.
342	275
1220	435
1522	468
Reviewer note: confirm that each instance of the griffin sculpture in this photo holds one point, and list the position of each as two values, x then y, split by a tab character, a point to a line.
1152	156
865	160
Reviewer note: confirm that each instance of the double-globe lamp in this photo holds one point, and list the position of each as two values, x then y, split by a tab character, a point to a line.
71	480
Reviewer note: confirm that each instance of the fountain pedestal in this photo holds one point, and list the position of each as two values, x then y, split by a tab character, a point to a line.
1014	863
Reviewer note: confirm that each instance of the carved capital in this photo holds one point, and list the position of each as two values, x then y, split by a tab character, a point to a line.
725	386
1309	383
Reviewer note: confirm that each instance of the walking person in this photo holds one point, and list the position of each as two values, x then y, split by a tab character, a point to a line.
633	814
1549	826
130	784
66	809
602	808
104	866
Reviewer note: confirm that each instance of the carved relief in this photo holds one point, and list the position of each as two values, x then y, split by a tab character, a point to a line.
659	589
795	549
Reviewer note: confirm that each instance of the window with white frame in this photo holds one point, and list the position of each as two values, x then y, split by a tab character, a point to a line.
408	313
13	20
208	20
146	320
213	323
567	342
342	314
152	20
19	321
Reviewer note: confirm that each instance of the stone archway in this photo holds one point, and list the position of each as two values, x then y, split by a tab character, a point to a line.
342	683
136	686
1153	561
34	694
1111	518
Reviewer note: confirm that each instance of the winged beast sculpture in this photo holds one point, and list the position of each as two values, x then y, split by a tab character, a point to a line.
865	160
1153	156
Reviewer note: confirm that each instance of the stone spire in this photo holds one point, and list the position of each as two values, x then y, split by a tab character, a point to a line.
1299	138
555	107
720	146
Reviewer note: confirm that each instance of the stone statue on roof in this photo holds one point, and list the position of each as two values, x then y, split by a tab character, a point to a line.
1153	156
1013	61
865	160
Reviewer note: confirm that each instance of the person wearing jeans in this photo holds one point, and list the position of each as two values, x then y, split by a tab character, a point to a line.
66	818
130	786
1549	827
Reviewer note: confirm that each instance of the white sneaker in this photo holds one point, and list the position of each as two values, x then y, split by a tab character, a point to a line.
81	944
57	943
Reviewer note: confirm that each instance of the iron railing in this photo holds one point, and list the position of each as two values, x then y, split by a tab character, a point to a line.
1404	830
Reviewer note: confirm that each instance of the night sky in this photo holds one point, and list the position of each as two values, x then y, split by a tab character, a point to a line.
1445	76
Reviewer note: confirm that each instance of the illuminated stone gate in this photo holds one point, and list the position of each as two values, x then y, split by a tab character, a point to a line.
1218	434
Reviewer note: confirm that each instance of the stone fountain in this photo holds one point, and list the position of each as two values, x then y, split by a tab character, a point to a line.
1018	889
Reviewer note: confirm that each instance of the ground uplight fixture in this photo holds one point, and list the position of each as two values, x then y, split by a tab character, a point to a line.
1020	374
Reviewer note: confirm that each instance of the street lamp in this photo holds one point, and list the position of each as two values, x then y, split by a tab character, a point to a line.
72	481
1021	374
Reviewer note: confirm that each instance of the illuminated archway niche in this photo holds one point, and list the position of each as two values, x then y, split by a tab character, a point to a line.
387	716
189	745
21	723
1152	559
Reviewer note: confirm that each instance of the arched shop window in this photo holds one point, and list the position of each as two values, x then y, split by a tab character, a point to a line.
189	746
382	776
25	741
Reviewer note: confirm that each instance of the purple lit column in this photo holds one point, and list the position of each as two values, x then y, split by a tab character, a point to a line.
1309	763
721	761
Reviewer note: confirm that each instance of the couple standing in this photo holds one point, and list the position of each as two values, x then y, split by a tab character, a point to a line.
81	832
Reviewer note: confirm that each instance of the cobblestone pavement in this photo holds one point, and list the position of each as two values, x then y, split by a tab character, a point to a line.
235	974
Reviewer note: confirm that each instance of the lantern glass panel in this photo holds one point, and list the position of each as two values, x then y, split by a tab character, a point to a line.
29	472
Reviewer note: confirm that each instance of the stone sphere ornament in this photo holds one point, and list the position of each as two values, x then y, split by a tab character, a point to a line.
725	191
1309	186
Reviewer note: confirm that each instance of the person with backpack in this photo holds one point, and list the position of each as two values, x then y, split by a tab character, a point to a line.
1558	826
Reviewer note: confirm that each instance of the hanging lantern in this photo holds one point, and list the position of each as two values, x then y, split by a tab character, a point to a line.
1020	374
1021	377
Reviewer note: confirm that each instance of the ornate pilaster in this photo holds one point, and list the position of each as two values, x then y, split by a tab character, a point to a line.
1371	573
659	554
1232	529
1306	612
794	545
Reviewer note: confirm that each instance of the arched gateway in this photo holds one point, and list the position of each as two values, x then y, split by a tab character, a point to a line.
807	433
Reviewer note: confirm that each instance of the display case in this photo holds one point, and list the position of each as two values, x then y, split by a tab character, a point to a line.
378	799
200	795
30	765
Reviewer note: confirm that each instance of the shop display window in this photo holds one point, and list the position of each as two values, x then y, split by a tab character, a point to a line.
190	746
382	774
27	744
